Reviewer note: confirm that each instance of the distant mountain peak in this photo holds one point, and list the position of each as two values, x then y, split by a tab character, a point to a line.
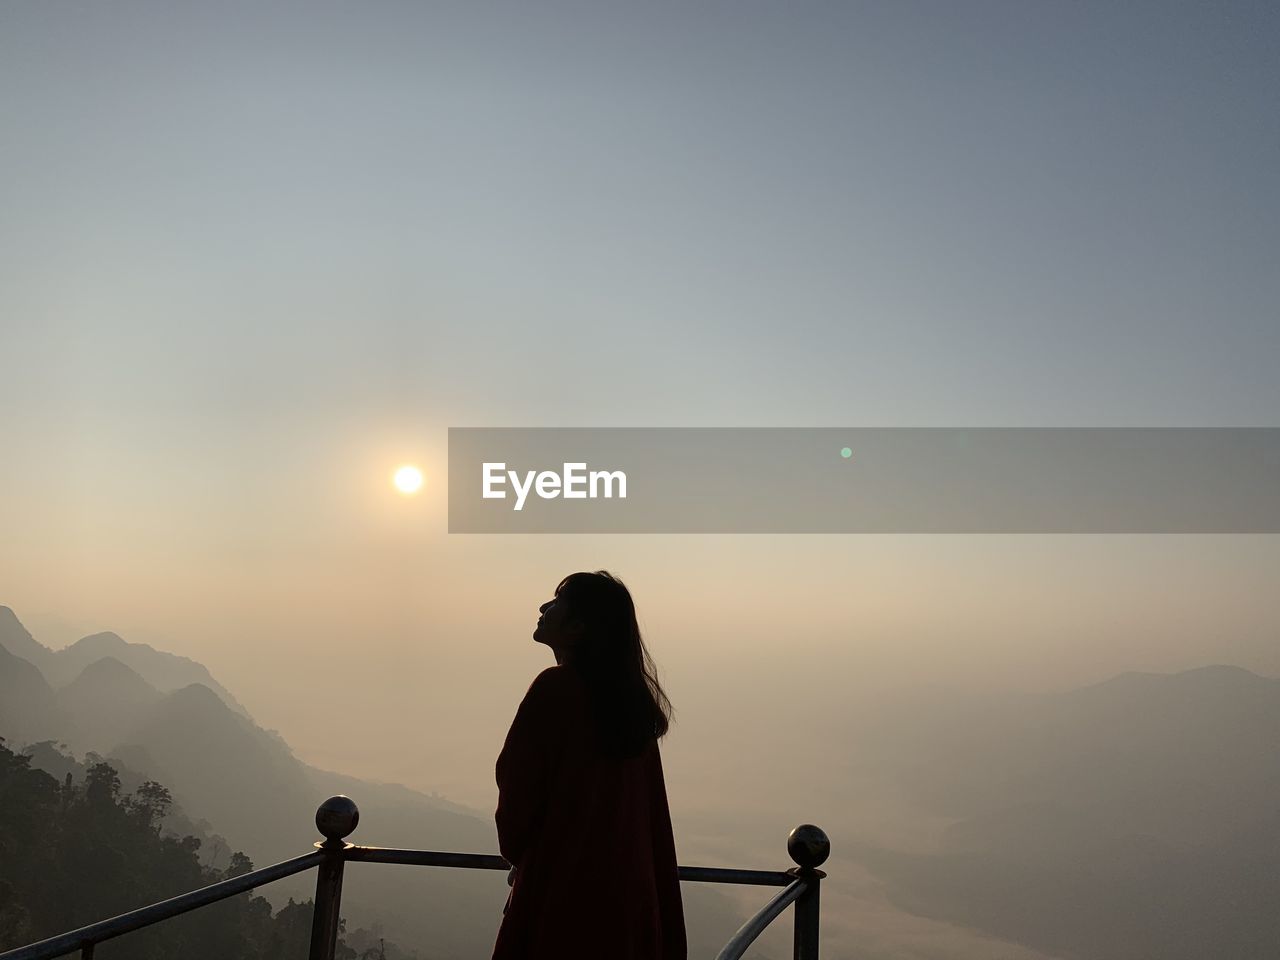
109	670
18	640
1213	675
1225	671
107	665
162	670
106	640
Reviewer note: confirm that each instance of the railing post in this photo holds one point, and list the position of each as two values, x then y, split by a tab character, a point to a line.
336	818
809	848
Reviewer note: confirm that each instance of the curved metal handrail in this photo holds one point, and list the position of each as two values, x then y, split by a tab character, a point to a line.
94	933
747	933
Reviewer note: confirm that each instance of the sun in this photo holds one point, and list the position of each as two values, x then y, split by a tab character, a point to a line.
408	479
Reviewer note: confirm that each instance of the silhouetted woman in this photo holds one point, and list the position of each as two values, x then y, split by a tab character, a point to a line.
582	805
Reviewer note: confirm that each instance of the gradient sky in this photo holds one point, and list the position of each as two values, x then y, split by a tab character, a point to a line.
252	259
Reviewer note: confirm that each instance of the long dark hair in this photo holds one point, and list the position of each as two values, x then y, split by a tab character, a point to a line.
630	706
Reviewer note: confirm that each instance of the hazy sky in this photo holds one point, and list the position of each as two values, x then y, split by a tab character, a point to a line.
251	260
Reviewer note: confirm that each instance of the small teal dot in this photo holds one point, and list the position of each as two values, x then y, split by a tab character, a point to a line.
846	452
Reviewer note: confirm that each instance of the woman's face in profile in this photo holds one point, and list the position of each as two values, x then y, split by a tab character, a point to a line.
550	627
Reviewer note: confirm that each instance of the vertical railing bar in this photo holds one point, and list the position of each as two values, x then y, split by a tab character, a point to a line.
336	818
324	922
809	848
806	919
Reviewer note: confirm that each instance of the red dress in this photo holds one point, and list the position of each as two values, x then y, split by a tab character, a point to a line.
590	838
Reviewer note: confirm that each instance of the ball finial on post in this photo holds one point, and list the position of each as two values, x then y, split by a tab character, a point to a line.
336	818
808	846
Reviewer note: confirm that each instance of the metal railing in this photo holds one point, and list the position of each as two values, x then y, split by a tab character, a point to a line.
338	816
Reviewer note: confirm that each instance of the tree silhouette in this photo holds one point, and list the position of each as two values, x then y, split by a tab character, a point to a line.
71	855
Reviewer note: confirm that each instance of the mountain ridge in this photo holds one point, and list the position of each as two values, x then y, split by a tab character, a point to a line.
163	670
